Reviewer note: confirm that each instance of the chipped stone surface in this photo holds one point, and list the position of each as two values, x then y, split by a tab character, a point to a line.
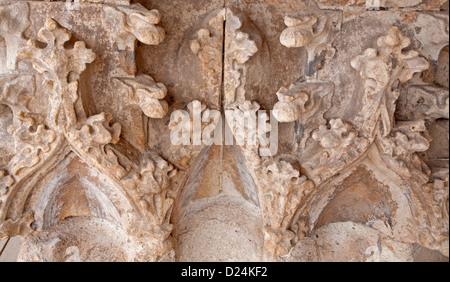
92	91
433	5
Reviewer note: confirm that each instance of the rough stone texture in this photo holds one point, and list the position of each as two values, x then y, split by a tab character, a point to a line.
91	91
215	224
423	254
78	239
427	5
337	242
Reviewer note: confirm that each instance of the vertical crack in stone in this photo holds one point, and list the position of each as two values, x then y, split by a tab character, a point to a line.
222	93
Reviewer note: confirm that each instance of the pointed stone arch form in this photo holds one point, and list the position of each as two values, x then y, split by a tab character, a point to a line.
82	96
358	198
73	189
405	203
217	170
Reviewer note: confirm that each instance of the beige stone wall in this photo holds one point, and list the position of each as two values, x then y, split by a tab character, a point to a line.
356	95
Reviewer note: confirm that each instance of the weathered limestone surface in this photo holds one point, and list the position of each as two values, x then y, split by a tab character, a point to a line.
91	92
10	249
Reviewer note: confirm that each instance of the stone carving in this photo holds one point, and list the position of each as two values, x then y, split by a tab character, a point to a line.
400	146
87	173
240	48
376	5
136	22
91	140
281	188
437	193
33	144
208	47
91	137
291	105
339	135
249	133
61	67
194	131
340	145
96	132
30	145
423	102
432	39
135	90
381	70
399	151
315	32
55	61
5	182
305	103
36	143
151	190
21	226
379	101
144	92
14	21
283	191
16	92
